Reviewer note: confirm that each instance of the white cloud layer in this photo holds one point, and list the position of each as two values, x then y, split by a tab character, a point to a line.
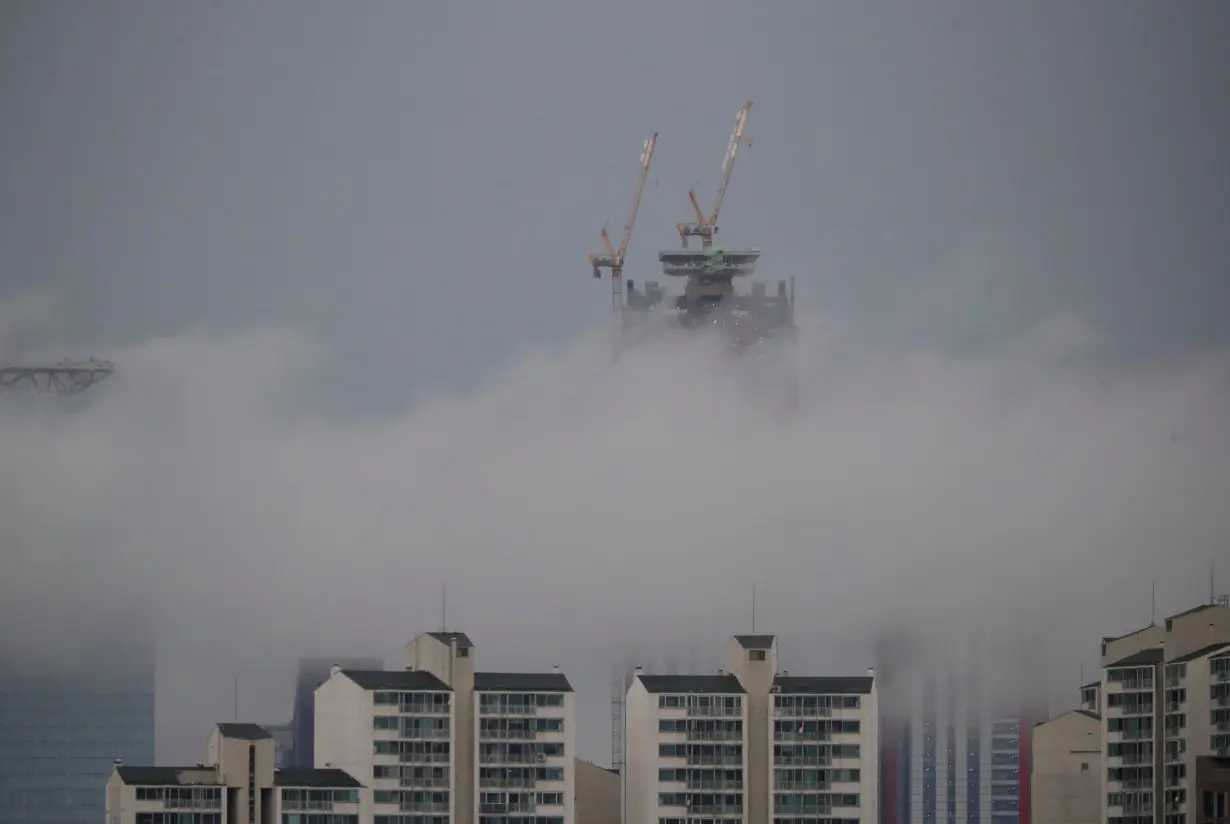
576	512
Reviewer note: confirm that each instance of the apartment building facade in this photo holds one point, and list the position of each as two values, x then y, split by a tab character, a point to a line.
439	743
750	744
1164	698
237	784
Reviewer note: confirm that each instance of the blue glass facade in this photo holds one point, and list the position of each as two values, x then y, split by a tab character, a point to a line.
59	737
312	672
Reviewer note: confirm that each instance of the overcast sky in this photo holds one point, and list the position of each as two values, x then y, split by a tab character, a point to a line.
338	252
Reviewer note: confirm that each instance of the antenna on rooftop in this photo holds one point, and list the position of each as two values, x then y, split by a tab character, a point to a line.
236	698
443	607
1153	604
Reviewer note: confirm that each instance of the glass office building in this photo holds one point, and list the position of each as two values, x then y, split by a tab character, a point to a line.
65	720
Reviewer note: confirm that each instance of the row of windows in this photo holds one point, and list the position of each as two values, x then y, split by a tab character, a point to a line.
807	704
1139	751
409	797
783	729
729	800
699	775
786	802
727	703
1131	677
669	725
812	753
815	777
298	795
414	702
805	820
423	750
516	753
1130	726
549	799
497	701
434	775
396	722
702	751
491	774
319	818
521	724
410	819
179	818
181	796
515	819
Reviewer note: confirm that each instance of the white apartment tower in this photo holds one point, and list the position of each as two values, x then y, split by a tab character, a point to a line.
237	784
1165	704
750	744
685	749
440	743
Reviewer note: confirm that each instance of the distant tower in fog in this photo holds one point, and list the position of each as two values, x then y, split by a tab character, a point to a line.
955	733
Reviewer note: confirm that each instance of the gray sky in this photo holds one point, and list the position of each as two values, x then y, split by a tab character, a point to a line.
339	255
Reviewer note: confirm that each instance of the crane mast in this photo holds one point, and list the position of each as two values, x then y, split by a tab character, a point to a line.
705	227
613	258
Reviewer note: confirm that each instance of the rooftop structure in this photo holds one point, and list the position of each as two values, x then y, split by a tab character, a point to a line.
64	378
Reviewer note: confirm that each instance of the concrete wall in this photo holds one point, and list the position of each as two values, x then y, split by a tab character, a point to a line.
597	794
757	678
453	663
1187	632
1138	641
1066	775
640	773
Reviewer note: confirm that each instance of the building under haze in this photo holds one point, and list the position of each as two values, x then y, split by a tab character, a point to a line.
750	743
64	722
311	674
1164	703
441	740
955	742
1065	781
236	784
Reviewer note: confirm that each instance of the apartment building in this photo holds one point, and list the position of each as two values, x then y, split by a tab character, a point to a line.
685	749
1066	780
750	744
1165	705
440	743
236	784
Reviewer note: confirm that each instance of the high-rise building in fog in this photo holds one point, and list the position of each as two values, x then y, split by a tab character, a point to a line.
312	673
438	741
63	723
955	744
751	744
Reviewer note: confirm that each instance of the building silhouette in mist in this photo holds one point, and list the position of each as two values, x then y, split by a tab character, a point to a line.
955	735
312	673
64	722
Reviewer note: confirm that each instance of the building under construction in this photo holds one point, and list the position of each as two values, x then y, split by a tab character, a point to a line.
755	320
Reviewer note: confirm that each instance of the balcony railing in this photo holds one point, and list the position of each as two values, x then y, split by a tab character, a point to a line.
802	712
508	735
714	735
424	782
422	807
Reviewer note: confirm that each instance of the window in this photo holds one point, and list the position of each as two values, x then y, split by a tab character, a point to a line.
1084	766
756	655
463	652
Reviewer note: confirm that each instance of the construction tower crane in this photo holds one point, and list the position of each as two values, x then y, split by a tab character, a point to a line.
613	258
706	227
